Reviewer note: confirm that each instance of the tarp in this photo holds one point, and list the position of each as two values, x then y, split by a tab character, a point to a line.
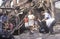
57	5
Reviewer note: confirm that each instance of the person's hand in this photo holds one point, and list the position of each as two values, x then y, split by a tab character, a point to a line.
39	20
43	20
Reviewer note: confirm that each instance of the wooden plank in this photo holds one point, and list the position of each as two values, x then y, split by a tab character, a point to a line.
52	8
8	8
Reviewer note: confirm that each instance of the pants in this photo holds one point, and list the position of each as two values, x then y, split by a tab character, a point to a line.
51	26
43	26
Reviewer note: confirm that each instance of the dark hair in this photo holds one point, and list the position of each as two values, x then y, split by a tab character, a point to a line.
31	11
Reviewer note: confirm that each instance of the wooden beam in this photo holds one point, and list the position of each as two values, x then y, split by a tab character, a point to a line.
8	8
52	8
14	2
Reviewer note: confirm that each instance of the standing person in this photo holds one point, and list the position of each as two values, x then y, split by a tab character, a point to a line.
26	21
50	22
5	17
31	21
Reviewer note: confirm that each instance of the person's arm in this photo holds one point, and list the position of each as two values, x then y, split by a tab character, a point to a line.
39	20
46	17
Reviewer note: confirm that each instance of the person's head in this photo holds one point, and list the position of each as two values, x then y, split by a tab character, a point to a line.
30	12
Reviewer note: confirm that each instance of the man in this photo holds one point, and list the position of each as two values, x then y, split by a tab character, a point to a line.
50	22
5	17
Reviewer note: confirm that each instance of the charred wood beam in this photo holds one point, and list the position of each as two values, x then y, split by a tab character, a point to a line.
8	8
16	8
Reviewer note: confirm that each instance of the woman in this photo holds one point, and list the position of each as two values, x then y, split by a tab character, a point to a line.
31	21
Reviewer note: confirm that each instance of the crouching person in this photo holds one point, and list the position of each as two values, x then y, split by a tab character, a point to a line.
50	22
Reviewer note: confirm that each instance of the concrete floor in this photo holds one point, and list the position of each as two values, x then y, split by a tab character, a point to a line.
37	35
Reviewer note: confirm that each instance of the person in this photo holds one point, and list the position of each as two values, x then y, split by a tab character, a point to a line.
4	18
50	22
31	21
26	21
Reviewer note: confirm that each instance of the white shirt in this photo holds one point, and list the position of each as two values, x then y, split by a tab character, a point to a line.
47	15
31	16
49	20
